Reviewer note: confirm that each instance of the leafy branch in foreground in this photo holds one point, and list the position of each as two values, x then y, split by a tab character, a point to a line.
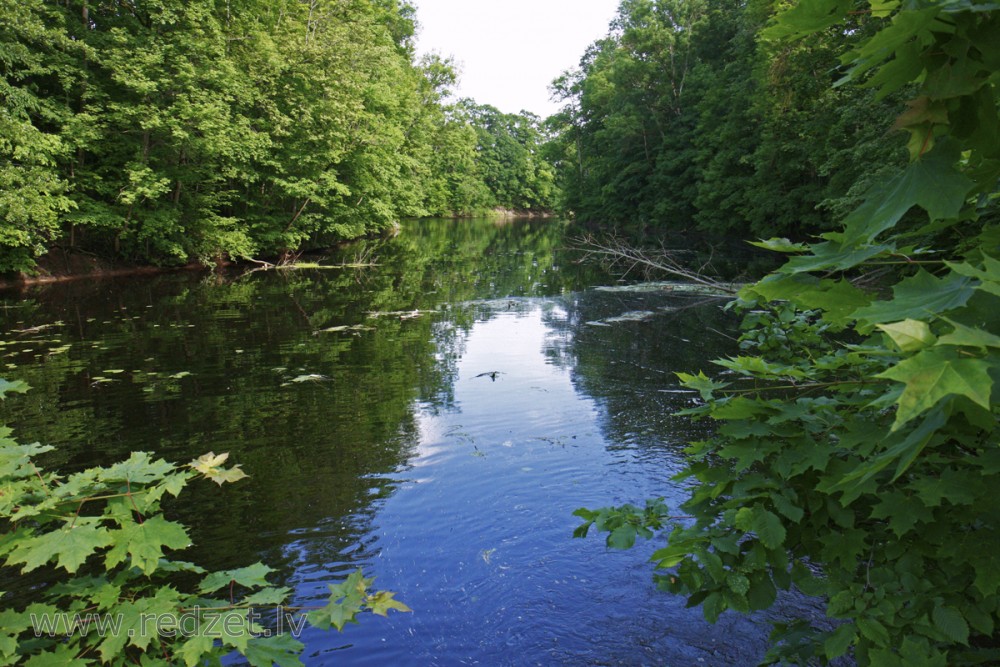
857	458
108	593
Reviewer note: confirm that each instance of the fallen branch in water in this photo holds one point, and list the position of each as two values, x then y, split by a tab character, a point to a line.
618	256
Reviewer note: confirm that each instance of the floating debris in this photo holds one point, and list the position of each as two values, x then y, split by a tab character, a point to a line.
401	314
311	377
631	316
671	286
36	329
345	327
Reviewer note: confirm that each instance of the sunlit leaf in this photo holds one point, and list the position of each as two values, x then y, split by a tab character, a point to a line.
909	335
381	602
934	374
17	386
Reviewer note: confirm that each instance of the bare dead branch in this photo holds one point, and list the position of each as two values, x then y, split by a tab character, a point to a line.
619	256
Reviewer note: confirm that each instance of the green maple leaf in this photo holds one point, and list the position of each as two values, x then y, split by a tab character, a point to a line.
253	576
172	484
833	256
144	542
931	182
69	546
969	337
136	622
282	650
335	614
63	655
919	296
267	596
989	274
780	245
139	468
344	603
381	602
6	387
805	18
932	375
837	298
702	383
902	511
236	630
15	459
194	650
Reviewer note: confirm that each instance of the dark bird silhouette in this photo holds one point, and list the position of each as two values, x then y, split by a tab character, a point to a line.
491	374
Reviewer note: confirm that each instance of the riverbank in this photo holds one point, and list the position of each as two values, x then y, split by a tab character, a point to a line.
60	265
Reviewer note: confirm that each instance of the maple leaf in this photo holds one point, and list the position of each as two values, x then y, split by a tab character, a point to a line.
69	546
931	376
909	335
144	542
253	576
208	465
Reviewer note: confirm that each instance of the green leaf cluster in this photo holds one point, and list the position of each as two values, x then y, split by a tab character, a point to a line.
97	543
853	453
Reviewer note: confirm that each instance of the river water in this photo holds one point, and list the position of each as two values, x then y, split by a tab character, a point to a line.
433	417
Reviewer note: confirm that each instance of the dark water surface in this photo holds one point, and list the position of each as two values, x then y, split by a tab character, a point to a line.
354	399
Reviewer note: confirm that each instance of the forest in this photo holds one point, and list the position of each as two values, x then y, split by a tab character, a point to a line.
163	132
846	449
684	118
852	435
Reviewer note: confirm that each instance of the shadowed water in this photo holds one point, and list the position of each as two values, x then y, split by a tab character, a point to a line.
434	418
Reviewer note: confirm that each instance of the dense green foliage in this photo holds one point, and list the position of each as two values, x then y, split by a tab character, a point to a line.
509	155
856	439
110	594
683	117
195	129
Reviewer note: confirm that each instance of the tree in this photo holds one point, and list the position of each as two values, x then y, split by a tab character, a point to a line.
857	461
173	130
682	117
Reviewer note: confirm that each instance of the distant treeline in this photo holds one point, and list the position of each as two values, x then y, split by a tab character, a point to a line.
168	130
683	117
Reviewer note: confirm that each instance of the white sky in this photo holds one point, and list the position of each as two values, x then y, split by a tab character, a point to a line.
509	51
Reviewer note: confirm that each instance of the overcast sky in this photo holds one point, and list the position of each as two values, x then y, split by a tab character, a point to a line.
510	50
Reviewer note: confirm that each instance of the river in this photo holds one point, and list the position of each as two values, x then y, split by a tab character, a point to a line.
433	415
